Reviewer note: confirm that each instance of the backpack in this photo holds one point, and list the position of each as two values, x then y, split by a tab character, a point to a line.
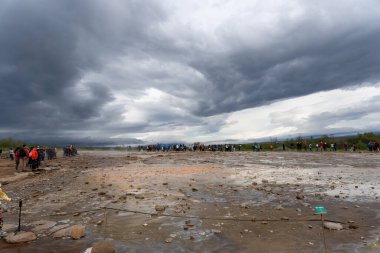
22	152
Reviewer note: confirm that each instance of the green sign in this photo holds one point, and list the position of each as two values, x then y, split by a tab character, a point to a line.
320	209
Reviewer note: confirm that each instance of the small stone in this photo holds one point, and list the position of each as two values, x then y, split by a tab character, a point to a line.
103	246
264	181
160	208
194	189
139	196
310	226
353	226
168	240
332	225
268	189
264	222
279	208
244	205
284	218
300	195
216	231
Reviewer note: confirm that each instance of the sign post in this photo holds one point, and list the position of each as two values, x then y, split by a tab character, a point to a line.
321	210
19	216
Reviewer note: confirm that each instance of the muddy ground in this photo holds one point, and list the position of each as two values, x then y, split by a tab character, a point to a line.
201	201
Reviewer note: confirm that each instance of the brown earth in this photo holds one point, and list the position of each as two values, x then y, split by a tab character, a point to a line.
201	201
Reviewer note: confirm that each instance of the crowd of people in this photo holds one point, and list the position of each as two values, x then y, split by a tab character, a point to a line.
70	150
191	147
31	157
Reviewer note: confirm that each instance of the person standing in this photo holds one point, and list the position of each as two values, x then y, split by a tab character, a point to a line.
17	157
11	154
33	155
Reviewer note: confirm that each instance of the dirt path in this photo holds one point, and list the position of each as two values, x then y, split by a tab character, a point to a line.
203	202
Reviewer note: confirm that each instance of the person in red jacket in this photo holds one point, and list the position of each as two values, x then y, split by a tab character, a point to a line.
33	155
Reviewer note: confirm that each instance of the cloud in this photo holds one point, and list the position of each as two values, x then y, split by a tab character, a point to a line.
179	70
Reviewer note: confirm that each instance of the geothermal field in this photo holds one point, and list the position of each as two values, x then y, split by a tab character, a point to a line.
195	202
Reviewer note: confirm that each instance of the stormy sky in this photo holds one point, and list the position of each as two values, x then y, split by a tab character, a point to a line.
131	71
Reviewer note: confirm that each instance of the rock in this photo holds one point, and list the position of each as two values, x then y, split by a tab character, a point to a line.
77	231
332	225
300	195
244	205
264	181
264	222
102	193
277	190
284	218
254	183
268	189
139	196
103	246
20	237
216	231
353	226
298	210
168	240
279	208
194	189
160	208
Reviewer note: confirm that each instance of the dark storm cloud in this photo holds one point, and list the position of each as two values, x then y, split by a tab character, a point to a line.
47	46
291	67
65	64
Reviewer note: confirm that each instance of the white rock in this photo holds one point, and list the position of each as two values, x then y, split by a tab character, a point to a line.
332	225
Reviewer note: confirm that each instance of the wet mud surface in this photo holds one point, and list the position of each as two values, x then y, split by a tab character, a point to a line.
202	201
